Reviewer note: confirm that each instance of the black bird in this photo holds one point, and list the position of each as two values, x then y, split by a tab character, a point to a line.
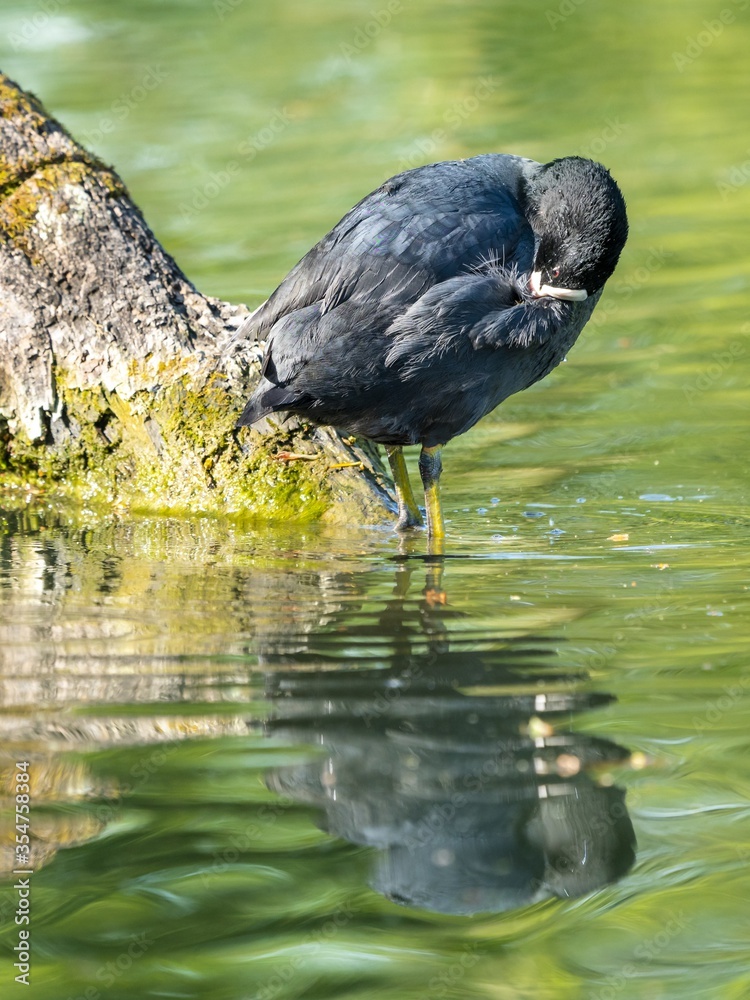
444	291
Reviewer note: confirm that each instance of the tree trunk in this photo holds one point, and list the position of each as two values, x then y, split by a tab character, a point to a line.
120	382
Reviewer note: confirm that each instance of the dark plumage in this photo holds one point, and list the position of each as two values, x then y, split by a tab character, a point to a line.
444	291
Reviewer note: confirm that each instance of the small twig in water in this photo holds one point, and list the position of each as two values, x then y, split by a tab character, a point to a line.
347	465
292	456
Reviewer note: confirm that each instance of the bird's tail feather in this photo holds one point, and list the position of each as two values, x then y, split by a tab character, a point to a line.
254	410
266	400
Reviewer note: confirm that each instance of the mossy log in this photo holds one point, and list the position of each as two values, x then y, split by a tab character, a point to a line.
120	383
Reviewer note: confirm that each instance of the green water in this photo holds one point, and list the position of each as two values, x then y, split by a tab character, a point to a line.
281	761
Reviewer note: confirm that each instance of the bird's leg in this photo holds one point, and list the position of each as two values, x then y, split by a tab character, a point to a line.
408	512
430	467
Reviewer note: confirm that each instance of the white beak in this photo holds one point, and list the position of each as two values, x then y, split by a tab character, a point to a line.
567	294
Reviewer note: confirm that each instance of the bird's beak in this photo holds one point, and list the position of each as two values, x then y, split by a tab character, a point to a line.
566	294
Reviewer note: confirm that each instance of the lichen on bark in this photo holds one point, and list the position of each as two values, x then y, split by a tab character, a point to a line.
120	383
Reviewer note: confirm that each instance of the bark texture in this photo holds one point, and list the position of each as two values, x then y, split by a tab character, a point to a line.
119	381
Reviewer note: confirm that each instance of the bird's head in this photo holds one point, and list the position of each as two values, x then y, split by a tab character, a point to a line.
578	216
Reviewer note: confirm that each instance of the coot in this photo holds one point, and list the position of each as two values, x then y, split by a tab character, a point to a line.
446	290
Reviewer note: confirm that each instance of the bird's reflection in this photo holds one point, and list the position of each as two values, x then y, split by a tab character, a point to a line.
456	764
444	745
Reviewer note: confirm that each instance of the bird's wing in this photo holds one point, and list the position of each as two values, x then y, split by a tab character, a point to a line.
420	227
471	312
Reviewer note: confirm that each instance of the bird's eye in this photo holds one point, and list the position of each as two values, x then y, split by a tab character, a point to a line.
555	272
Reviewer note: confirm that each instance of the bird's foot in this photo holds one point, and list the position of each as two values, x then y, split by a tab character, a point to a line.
408	519
435	597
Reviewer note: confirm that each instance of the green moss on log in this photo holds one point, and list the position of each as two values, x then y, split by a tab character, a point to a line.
15	102
175	453
20	202
27	180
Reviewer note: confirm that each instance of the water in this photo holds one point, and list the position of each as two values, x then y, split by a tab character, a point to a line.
285	761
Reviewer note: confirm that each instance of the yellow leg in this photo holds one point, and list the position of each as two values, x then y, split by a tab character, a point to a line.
430	467
408	512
